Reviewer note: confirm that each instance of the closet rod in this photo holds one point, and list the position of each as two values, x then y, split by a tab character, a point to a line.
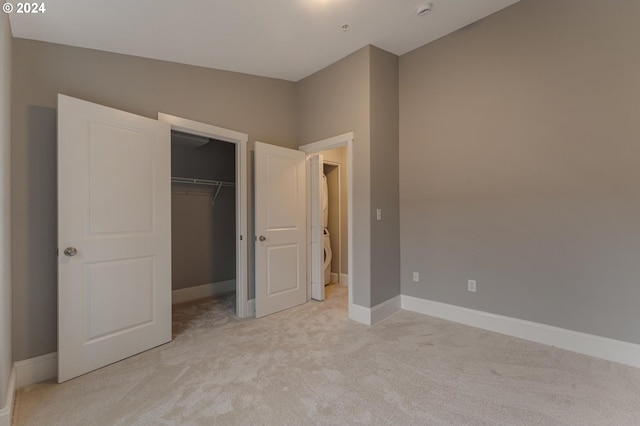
192	181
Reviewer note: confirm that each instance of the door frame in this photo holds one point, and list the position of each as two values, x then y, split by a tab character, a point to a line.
240	141
345	139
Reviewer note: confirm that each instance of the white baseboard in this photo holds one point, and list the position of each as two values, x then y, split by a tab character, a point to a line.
370	316
6	412
587	344
205	290
360	314
384	309
245	310
36	370
335	278
252	308
344	279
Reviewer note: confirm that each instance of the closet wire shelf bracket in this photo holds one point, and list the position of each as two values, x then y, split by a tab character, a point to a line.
205	182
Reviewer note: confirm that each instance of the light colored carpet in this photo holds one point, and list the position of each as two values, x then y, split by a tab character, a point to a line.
311	365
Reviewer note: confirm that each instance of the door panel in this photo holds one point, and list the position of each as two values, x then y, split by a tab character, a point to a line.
316	162
282	272
131	186
114	207
281	174
127	284
281	224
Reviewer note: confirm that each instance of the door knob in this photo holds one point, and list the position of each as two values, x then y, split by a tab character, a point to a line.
262	238
70	251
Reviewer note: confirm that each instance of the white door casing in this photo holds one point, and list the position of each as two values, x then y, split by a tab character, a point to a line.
240	141
316	226
114	207
280	223
346	139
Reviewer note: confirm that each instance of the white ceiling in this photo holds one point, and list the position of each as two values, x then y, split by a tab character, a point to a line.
287	39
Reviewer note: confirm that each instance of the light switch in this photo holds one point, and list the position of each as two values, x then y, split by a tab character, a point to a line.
379	214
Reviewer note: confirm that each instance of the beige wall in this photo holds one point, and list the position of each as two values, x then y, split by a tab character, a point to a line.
331	102
262	107
385	233
5	206
203	237
519	148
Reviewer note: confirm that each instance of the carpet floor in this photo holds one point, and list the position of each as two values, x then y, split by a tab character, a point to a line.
311	365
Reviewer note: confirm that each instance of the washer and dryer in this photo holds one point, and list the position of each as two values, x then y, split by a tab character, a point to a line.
327	241
327	257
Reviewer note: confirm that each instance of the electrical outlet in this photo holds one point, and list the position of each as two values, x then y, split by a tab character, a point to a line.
416	277
379	214
471	285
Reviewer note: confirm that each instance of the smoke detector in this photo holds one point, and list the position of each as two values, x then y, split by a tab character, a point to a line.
424	9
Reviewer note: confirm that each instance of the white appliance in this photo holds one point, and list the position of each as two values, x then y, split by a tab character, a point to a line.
327	257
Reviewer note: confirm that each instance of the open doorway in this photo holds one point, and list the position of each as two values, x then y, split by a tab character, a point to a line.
203	228
335	216
336	152
215	194
334	242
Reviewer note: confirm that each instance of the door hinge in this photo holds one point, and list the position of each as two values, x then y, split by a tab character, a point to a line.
240	237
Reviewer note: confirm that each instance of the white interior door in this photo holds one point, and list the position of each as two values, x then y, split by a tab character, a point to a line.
114	233
317	235
280	210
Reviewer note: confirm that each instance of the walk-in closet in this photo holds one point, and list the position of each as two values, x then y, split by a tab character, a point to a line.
203	218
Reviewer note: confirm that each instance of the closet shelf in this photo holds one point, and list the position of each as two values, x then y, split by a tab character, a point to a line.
192	181
206	182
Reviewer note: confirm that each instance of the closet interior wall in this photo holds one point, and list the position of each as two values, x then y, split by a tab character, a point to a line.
202	232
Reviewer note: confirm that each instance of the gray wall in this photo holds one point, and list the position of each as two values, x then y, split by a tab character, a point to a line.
203	235
262	107
385	233
360	93
333	101
519	148
5	206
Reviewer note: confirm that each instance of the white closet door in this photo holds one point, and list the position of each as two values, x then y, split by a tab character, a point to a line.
317	235
281	228
114	232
